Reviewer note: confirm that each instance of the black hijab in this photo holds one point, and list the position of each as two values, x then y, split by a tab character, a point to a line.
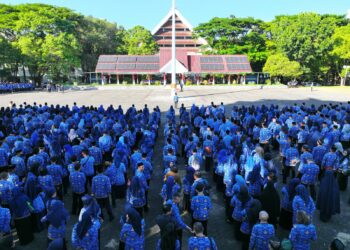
270	201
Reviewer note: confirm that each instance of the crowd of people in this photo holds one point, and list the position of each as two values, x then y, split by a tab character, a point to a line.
10	87
104	155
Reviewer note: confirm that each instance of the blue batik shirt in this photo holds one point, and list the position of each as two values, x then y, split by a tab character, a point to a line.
6	191
330	160
46	181
264	135
261	235
3	157
310	173
97	154
105	143
56	172
175	214
20	169
90	241
132	240
291	154
200	205
299	205
318	153
201	243
116	175
101	186
5	220
77	181
302	235
87	165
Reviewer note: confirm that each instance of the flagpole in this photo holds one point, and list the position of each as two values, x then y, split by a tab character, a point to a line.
173	48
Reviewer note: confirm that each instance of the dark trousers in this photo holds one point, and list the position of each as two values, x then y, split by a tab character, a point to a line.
312	190
114	195
245	241
65	183
77	203
187	202
286	173
179	236
228	208
140	210
88	183
204	224
237	230
104	203
59	192
208	163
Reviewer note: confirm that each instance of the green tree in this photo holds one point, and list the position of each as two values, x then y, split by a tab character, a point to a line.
280	66
98	37
305	38
139	41
341	42
234	35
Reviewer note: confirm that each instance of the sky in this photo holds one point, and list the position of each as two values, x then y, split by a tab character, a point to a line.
149	13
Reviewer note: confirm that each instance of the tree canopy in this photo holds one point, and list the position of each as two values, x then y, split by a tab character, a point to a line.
280	66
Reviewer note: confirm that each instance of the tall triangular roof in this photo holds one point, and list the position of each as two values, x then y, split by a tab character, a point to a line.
183	20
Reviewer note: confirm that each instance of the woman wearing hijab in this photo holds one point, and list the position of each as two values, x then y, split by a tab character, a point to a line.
288	194
223	164
133	230
168	240
270	201
302	202
85	234
255	182
240	202
136	195
20	207
187	184
250	218
57	217
328	201
33	191
169	188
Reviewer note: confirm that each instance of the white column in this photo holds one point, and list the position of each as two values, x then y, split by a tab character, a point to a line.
213	79
173	47
118	79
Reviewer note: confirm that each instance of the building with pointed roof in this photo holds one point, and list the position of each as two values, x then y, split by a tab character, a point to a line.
189	58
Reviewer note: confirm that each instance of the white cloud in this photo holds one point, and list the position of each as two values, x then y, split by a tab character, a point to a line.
348	14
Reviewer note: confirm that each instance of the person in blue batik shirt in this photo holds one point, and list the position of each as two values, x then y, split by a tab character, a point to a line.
261	233
85	233
77	181
87	165
264	138
309	176
19	163
318	152
291	160
330	160
116	174
5	228
6	188
256	182
250	216
45	180
200	241
101	188
57	218
96	153
56	171
201	205
169	188
132	233
3	156
187	184
303	232
20	208
302	202
136	196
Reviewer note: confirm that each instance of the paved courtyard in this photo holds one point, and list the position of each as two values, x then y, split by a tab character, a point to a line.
218	228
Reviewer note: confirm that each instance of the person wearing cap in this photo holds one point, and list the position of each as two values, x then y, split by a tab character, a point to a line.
200	241
261	233
101	188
